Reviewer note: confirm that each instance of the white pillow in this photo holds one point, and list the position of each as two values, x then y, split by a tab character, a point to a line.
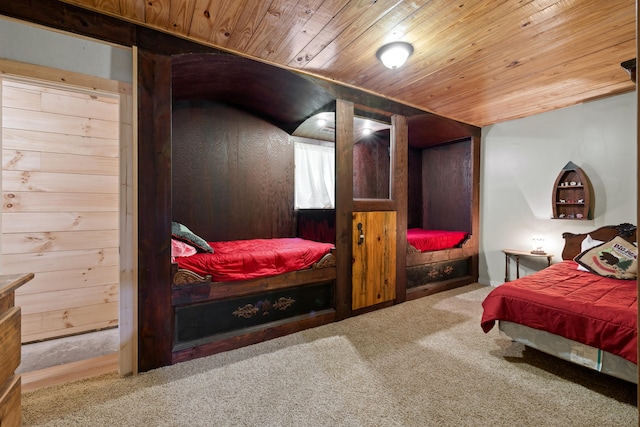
587	244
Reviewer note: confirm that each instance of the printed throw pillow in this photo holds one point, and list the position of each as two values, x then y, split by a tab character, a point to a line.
588	243
182	233
616	258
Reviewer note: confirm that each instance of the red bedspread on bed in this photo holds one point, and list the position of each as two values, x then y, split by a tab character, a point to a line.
591	309
250	259
434	240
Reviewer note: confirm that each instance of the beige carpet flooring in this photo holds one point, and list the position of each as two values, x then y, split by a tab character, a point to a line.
421	363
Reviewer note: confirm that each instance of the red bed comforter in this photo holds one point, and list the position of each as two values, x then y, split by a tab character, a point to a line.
434	240
250	259
598	311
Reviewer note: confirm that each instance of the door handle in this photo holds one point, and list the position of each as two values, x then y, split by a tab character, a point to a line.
361	234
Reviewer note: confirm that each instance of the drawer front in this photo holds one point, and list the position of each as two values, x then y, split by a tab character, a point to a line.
9	343
10	403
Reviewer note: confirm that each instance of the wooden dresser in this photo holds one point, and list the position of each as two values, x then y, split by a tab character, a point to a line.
10	346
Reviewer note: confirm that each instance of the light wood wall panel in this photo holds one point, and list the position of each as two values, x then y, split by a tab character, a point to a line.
60	219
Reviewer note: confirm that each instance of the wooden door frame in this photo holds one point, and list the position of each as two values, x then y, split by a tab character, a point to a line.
127	296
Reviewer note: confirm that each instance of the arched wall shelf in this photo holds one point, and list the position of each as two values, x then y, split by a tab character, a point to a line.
572	194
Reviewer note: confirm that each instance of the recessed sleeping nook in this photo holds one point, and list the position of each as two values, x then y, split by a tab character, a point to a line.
442	210
253	274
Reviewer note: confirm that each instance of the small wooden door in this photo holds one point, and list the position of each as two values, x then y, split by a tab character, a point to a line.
373	274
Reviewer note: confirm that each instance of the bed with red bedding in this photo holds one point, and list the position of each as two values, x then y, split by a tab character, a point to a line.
241	290
434	240
255	258
438	260
574	314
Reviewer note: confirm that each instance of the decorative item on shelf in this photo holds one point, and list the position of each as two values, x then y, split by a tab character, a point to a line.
538	245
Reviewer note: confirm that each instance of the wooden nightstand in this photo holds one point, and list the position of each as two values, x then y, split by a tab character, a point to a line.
517	254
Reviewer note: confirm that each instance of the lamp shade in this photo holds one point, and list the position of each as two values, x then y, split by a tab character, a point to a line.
537	245
394	55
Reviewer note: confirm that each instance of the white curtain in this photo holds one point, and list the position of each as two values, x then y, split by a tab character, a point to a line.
315	176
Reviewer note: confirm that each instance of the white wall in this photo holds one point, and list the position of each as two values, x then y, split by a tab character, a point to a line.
23	42
521	160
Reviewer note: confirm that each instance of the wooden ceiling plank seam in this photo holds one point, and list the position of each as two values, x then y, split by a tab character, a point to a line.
181	16
273	34
110	6
202	22
344	19
280	49
313	27
157	13
132	10
537	8
248	22
226	21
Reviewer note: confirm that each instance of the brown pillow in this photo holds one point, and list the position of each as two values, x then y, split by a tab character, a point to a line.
616	258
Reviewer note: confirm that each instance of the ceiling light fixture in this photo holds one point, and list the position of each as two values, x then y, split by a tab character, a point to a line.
394	55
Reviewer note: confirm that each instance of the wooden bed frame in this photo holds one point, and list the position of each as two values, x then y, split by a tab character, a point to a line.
435	271
217	316
561	347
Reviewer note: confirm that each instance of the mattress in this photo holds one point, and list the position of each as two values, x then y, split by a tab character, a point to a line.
255	258
434	240
598	311
572	351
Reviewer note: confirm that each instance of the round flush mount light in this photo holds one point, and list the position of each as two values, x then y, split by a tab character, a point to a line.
394	55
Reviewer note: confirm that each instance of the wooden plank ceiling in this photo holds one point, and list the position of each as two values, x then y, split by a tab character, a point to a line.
476	61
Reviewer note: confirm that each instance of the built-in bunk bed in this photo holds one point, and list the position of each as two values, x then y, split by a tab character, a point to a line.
443	208
246	275
216	152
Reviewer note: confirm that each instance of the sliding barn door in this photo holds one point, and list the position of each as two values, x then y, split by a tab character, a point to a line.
60	217
374	258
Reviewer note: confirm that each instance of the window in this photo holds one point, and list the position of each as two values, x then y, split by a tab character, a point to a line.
315	176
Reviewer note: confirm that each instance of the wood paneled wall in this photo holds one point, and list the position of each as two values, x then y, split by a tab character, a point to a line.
371	167
447	186
414	188
232	173
60	181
